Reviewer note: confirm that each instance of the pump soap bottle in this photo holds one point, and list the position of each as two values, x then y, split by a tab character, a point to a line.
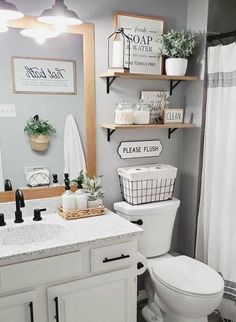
81	198
68	199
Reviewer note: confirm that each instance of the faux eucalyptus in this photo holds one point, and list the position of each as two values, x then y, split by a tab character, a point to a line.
178	43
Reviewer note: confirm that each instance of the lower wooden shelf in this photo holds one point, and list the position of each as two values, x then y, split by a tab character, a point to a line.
172	127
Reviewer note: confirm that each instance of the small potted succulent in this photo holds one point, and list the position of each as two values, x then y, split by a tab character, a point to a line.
93	187
176	46
39	132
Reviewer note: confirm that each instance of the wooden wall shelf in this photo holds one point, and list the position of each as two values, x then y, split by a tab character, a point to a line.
174	80
111	128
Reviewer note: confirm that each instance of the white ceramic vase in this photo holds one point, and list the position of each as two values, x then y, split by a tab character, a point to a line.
176	66
94	203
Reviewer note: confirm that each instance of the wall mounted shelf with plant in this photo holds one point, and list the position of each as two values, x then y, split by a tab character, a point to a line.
174	80
111	128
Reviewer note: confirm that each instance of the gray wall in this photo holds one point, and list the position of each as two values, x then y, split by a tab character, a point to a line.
222	15
16	150
183	148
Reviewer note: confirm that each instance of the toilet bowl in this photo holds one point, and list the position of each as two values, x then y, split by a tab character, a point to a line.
179	289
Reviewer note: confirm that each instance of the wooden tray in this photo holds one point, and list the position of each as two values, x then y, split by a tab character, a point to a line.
82	213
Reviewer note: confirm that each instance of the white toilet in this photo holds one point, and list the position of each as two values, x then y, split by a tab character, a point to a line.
179	289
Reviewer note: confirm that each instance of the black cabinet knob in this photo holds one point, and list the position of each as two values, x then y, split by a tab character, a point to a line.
37	214
2	221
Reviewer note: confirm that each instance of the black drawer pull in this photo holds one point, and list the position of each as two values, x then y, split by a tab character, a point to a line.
137	222
56	309
31	306
140	265
106	260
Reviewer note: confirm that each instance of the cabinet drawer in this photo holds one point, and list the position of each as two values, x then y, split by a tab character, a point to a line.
112	257
40	271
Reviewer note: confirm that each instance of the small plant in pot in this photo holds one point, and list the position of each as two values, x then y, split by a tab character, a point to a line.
93	187
176	46
39	132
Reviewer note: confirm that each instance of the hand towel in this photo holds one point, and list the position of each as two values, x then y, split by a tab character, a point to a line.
73	150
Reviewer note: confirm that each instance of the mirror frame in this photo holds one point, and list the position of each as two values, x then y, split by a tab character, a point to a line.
87	31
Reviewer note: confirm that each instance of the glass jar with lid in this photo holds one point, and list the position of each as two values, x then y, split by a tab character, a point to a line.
141	113
124	113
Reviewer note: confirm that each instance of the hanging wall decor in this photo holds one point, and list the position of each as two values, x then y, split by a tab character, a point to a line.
143	32
43	76
139	149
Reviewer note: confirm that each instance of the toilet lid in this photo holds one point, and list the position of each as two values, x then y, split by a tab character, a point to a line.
188	275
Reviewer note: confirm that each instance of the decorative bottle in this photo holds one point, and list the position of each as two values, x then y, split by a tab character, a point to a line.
68	198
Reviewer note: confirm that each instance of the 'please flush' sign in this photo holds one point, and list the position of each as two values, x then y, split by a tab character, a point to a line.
37	76
139	149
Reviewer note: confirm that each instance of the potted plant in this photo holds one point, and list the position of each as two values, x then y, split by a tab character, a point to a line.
177	46
39	132
93	187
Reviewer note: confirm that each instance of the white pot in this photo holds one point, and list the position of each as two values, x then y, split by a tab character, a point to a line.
94	203
176	66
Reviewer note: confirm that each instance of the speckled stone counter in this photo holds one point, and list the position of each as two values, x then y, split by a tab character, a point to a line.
67	236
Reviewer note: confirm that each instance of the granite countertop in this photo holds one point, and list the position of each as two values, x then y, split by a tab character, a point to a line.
65	236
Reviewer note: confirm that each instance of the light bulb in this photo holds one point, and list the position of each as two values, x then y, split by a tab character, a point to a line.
40	40
60	26
3	25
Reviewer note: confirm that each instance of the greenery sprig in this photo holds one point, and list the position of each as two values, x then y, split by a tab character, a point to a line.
178	43
35	127
93	187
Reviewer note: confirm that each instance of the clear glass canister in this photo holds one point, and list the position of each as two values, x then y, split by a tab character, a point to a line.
141	113
124	113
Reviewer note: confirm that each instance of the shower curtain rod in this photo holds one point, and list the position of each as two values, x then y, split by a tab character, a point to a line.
221	36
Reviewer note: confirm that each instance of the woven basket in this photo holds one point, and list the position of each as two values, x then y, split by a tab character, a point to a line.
82	213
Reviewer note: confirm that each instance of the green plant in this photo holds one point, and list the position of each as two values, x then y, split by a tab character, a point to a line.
93	187
79	181
178	43
35	127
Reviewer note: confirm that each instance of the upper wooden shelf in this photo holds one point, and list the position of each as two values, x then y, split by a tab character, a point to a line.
174	80
172	127
148	76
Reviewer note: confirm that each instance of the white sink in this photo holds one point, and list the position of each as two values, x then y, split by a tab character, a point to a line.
28	234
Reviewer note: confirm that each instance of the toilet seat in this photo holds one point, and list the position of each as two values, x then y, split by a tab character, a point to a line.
187	276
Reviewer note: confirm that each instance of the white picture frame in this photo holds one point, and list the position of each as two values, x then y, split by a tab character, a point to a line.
144	50
43	76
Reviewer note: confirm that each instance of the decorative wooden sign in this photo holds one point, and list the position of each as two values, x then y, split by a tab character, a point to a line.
143	32
139	149
173	116
43	76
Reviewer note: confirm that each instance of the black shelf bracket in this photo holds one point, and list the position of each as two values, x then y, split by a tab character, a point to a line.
171	131
110	80
109	134
173	84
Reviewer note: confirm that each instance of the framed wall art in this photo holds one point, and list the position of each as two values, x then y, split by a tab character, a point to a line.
143	32
43	76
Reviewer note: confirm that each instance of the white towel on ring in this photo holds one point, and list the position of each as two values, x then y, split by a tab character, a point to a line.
73	150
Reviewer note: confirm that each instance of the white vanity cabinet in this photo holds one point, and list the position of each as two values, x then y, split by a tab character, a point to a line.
104	298
94	283
17	308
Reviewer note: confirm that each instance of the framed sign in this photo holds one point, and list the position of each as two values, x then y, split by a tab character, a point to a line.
157	101
144	50
173	115
139	149
43	76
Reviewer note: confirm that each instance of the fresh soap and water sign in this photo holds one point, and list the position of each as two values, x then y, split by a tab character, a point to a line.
139	149
39	76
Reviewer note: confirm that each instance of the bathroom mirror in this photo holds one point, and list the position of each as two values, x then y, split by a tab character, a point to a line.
78	45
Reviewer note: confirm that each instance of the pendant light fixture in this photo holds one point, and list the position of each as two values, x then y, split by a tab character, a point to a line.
8	11
60	16
39	34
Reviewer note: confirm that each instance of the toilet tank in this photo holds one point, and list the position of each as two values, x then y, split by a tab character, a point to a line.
157	220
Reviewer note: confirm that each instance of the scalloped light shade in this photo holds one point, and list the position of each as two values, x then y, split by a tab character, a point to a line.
8	11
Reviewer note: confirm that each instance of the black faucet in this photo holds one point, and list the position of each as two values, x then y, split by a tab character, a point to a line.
19	203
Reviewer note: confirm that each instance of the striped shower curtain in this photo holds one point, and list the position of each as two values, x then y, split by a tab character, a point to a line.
216	237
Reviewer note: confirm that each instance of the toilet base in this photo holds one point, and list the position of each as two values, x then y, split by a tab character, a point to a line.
151	313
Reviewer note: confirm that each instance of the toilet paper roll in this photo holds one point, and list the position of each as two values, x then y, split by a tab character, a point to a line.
141	264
